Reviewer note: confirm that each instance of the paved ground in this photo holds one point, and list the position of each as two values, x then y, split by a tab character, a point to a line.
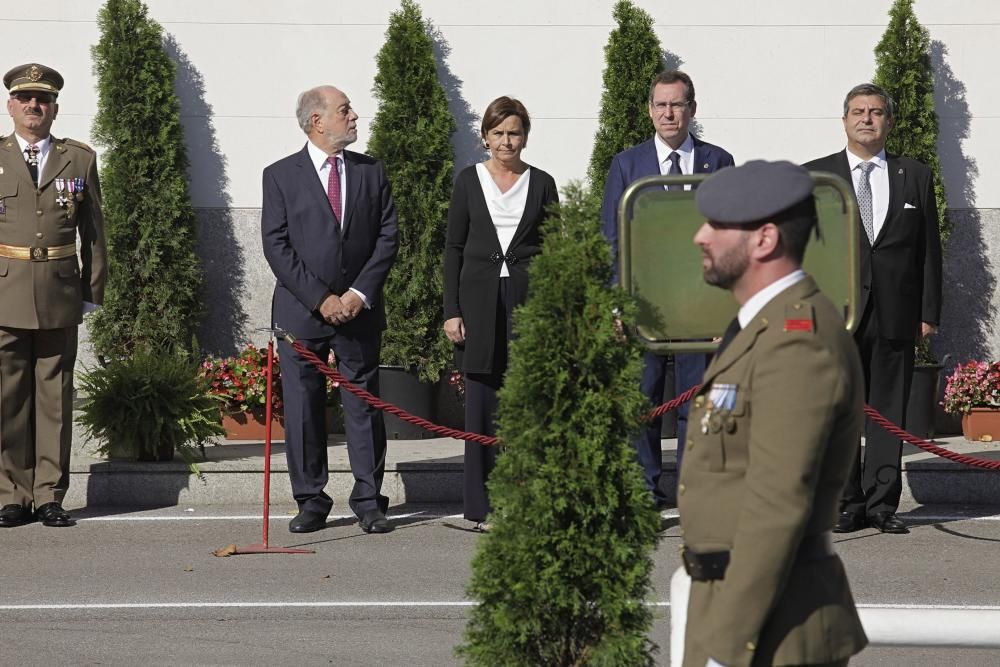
127	587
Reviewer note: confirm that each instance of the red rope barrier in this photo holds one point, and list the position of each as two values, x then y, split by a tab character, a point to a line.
928	446
379	404
446	432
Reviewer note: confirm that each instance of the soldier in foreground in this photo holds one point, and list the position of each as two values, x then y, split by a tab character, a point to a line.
774	431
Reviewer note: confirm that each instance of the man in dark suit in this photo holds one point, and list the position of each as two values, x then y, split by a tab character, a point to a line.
329	233
50	201
672	150
900	292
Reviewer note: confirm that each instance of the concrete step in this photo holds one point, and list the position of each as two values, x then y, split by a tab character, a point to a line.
426	471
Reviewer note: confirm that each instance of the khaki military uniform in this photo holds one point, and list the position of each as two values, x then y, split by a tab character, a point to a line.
772	435
43	284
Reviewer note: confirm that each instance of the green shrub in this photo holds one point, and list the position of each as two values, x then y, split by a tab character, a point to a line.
903	69
153	294
147	406
563	575
634	57
411	132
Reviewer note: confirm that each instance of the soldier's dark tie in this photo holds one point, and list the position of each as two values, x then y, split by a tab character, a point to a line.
865	199
31	157
728	336
675	169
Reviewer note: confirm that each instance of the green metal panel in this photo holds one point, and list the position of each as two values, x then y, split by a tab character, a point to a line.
661	265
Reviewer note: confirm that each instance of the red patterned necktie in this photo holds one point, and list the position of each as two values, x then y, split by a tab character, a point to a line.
333	188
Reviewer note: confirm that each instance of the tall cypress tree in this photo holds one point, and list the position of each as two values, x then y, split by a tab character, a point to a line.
411	133
562	576
633	56
154	279
903	69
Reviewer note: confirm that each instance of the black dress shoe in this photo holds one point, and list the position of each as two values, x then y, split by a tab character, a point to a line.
54	516
12	516
307	521
375	522
888	522
849	522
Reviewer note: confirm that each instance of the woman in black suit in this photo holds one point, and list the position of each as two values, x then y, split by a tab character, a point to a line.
497	209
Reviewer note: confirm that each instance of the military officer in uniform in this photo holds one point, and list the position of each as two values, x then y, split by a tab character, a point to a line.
773	432
52	261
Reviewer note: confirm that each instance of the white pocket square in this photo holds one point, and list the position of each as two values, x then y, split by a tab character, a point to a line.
908	206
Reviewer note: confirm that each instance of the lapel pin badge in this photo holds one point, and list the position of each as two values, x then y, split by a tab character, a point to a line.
900	172
704	166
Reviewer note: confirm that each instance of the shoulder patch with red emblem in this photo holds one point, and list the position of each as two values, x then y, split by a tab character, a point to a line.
799	317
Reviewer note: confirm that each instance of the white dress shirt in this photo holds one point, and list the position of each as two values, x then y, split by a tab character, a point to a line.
43	152
685	151
319	160
506	208
879	180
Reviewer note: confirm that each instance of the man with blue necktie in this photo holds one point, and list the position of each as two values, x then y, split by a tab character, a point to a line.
673	150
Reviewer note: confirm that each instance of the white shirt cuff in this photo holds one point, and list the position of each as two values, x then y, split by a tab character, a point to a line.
363	297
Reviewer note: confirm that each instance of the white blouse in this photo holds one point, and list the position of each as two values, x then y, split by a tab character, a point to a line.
506	208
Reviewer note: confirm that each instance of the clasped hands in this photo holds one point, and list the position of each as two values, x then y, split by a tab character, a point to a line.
337	310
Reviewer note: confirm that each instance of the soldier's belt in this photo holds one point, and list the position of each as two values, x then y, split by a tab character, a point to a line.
37	253
712	566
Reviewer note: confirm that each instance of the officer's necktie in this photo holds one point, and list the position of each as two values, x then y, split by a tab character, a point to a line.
728	336
333	189
865	199
31	153
675	169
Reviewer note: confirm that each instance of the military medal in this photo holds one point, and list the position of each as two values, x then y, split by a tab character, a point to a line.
3	207
706	418
61	189
78	182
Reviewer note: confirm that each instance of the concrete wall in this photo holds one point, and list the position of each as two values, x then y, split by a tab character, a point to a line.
770	79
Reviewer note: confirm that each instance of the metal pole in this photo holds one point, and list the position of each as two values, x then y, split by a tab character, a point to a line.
267	438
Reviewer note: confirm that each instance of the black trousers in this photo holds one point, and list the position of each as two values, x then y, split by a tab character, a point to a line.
480	412
304	395
875	483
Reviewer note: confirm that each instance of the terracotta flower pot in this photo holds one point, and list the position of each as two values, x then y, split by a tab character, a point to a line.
981	424
250	426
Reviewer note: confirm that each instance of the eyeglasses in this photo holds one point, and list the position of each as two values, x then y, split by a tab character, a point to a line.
672	106
42	98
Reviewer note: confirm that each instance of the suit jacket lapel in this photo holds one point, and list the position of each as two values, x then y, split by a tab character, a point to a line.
897	185
314	187
842	168
14	161
56	161
649	163
699	160
353	190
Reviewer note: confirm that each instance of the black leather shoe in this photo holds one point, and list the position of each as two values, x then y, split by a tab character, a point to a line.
307	521
849	522
375	522
12	516
54	516
888	522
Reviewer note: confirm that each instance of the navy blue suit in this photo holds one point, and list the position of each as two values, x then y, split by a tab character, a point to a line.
626	168
311	257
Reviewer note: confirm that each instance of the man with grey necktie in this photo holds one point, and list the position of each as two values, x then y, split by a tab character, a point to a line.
900	293
672	150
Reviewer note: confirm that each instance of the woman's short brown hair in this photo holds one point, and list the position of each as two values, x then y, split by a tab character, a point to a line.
500	110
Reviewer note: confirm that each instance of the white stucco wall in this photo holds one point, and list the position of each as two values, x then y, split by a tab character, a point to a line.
770	78
770	74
